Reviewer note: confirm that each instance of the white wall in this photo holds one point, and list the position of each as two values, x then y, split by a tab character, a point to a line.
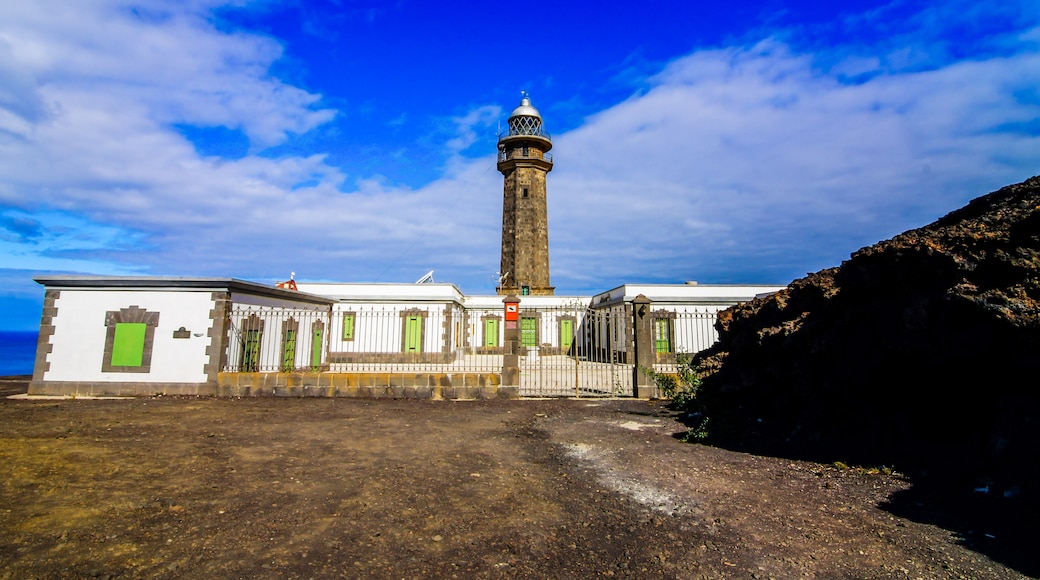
379	327
79	335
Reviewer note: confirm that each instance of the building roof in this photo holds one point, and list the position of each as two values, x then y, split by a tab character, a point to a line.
686	293
174	283
384	292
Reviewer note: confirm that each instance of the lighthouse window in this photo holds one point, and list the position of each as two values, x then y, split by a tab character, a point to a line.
524	193
527	152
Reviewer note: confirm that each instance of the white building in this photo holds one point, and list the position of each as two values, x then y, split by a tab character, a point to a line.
136	335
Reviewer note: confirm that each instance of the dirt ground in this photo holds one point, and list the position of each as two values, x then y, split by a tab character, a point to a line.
315	488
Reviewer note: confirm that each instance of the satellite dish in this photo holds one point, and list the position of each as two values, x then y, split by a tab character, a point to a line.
427	279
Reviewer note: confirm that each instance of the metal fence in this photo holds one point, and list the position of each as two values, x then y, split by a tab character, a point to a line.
399	339
274	339
686	330
564	351
578	353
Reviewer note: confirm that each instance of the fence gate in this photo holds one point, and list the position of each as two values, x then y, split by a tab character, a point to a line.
575	352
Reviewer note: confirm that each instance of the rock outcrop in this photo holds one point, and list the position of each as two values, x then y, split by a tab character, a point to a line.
921	352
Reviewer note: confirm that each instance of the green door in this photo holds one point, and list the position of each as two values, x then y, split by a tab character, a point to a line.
491	332
566	334
316	348
413	334
663	335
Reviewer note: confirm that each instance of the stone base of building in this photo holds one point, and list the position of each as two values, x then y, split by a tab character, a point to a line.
112	389
435	386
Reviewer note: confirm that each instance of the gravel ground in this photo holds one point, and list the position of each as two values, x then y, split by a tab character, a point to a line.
311	488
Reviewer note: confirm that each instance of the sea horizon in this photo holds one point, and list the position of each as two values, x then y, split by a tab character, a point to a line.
17	352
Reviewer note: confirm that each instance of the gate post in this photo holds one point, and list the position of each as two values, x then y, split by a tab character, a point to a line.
643	337
511	358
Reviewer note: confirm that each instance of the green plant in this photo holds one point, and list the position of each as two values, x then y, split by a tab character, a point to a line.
697	434
682	386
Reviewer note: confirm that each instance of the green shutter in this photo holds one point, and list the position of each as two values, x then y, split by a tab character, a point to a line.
566	334
348	327
289	355
251	351
491	332
128	344
529	332
413	334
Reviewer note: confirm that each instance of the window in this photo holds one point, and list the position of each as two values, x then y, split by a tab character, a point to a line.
129	339
348	326
662	335
525	290
524	193
527	151
491	332
528	331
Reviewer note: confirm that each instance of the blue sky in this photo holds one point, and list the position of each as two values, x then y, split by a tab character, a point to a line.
355	141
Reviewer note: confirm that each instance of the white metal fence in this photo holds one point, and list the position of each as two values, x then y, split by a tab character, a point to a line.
275	339
565	351
577	352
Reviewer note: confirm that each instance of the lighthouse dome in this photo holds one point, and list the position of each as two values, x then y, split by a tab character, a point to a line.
525	109
526	120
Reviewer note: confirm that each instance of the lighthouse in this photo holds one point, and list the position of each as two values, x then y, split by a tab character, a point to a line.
524	165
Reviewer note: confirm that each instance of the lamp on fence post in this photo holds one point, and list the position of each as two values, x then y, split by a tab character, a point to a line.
511	359
643	344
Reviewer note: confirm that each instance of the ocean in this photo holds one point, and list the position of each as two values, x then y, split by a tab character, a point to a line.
17	352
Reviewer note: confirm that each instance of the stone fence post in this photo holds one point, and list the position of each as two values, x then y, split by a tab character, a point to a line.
511	358
643	339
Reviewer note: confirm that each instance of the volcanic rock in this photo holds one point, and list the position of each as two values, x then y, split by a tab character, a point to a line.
920	352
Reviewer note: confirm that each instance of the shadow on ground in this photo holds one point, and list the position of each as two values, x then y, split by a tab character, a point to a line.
990	521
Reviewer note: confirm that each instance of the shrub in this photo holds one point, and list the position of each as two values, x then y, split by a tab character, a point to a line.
682	388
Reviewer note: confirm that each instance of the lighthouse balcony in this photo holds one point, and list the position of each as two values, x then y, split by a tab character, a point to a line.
525	130
524	153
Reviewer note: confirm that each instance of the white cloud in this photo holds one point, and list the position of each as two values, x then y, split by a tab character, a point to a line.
736	150
739	164
466	135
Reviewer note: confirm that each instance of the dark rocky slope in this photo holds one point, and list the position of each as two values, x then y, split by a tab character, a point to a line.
921	352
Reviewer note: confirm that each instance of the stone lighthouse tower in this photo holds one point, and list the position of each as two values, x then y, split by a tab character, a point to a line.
525	221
